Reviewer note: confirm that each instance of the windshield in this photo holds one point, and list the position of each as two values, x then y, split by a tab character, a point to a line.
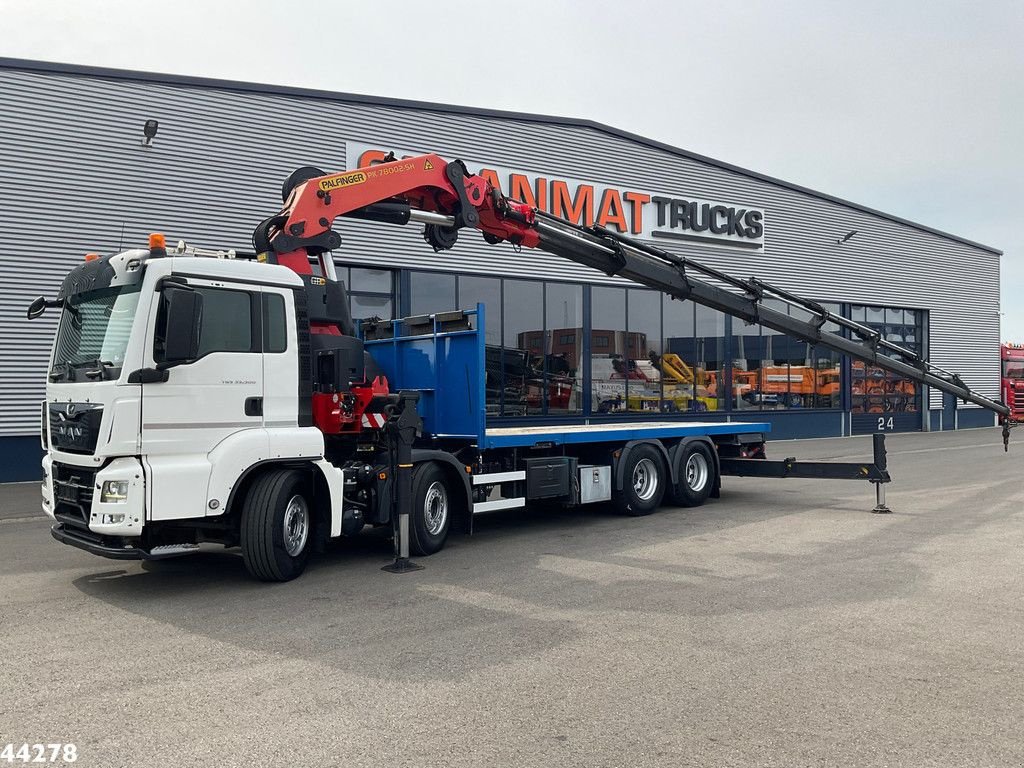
1013	369
93	334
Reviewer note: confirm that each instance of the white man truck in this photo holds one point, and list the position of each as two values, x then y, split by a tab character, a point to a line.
198	398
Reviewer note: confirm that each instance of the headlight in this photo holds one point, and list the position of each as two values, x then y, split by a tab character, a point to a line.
114	491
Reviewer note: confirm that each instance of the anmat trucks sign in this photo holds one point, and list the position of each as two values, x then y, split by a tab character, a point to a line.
650	215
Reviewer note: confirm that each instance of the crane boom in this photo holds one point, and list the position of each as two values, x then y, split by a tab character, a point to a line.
446	198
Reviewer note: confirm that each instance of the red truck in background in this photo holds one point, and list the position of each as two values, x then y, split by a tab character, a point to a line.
1012	356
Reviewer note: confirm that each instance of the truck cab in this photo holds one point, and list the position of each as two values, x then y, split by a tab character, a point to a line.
171	377
1012	362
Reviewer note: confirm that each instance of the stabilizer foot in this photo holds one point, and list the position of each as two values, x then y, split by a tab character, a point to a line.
402	565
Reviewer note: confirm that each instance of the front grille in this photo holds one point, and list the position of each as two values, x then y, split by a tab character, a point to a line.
73	489
74	427
1018	400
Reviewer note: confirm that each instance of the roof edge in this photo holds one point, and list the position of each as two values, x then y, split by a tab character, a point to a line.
287	90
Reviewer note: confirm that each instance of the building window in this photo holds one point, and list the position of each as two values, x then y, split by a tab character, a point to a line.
487	291
827	378
709	352
643	345
609	363
475	290
431	292
365	307
371	292
521	364
563	325
773	371
873	390
363	280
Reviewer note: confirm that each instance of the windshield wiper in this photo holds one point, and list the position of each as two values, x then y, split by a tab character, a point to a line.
99	372
60	371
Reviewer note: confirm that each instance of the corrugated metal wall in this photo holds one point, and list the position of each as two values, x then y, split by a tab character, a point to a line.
74	178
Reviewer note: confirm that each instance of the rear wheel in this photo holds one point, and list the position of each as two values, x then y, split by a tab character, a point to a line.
643	482
433	504
277	525
695	475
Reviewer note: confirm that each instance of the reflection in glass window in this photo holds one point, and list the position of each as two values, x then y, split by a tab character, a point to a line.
746	366
487	291
227	321
608	366
826	363
874	390
519	360
275	328
563	305
370	280
431	292
643	348
709	372
366	307
685	387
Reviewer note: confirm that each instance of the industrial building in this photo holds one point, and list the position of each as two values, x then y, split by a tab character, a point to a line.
80	174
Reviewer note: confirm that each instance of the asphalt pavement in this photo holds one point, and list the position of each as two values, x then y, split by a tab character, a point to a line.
782	625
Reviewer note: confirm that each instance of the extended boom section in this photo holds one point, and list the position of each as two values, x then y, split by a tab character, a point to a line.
623	256
445	197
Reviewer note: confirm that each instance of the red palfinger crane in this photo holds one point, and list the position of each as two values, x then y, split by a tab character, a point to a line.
446	198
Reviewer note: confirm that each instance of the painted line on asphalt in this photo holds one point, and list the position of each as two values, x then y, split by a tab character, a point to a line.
29	519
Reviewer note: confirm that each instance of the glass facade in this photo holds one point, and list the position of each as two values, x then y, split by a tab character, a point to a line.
556	349
772	371
371	292
876	391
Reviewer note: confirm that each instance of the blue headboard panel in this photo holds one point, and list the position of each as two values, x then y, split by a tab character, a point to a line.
446	367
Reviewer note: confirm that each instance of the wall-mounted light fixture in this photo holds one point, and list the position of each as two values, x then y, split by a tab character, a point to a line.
846	237
149	131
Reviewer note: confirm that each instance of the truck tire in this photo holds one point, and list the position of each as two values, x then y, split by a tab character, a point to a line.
432	508
695	475
277	525
643	482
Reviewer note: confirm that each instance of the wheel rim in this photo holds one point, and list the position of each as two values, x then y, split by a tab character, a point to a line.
645	479
435	508
296	525
697	472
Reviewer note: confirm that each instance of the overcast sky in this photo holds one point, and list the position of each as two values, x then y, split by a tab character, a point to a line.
915	108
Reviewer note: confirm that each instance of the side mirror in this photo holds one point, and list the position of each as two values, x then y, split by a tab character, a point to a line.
37	307
184	315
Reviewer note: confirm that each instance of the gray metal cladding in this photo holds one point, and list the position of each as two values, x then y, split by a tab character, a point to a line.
74	178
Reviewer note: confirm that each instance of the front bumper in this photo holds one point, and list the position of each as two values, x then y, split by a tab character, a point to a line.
104	547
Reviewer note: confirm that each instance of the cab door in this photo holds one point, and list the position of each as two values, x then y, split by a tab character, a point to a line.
208	406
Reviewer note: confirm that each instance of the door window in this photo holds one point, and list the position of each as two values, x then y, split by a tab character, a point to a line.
226	324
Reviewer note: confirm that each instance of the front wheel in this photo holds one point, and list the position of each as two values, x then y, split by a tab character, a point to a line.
277	525
643	482
433	503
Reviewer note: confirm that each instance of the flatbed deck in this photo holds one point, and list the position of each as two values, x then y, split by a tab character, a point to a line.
567	434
